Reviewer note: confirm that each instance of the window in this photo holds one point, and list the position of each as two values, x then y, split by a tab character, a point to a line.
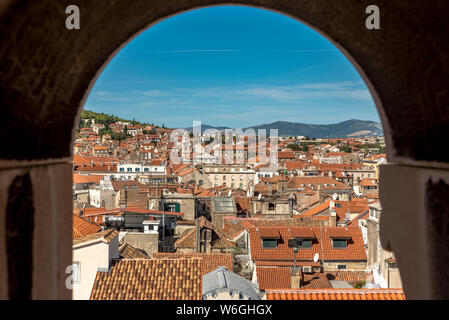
339	243
146	169
129	169
137	169
201	182
271	206
224	177
269	243
305	243
172	207
122	169
341	266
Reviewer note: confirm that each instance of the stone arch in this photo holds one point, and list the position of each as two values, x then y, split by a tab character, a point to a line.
47	69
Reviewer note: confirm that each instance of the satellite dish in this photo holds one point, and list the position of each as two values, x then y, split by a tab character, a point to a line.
259	196
316	257
229	193
334	196
152	205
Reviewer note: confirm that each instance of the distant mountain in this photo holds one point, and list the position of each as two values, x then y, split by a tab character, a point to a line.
349	128
204	127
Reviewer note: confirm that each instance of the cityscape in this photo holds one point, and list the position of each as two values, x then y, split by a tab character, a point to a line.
221	159
305	226
231	177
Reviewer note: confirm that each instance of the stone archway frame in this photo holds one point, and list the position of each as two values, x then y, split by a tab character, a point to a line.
47	72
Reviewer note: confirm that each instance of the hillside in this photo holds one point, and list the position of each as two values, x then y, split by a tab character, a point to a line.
349	128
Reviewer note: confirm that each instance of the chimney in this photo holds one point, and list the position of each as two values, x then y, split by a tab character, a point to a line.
332	218
295	277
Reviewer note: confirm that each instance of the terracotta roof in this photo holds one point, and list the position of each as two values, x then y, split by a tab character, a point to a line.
296	182
306	233
188	239
127	251
316	210
83	228
150	279
120	185
269	232
81	178
273	278
357	206
354	251
338	233
105	235
336	294
210	261
368	182
350	276
279	278
272	263
315	281
286	155
297	164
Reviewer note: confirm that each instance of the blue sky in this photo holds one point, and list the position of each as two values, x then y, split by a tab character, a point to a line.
231	66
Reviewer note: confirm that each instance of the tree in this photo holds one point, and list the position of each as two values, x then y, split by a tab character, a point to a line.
346	149
294	147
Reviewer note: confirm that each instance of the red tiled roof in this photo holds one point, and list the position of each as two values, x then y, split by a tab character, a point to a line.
336	294
210	261
322	244
83	228
338	233
268	232
273	278
315	210
150	279
80	178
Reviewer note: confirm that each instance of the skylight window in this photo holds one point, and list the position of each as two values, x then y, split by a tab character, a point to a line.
269	243
339	243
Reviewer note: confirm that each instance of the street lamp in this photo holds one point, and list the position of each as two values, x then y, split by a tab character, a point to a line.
295	251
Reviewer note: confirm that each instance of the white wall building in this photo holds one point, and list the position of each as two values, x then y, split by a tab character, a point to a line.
129	171
91	254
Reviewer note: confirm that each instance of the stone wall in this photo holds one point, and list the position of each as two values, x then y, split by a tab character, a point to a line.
144	241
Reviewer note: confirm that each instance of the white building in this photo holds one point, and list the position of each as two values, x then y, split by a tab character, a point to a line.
129	171
100	194
92	253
